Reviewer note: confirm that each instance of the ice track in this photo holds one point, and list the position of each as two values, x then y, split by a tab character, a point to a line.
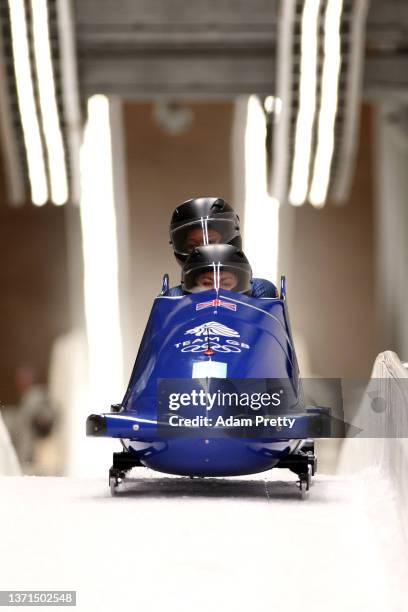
232	544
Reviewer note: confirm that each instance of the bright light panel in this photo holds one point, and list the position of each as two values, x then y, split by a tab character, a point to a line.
26	103
273	104
307	103
328	104
48	102
261	219
100	253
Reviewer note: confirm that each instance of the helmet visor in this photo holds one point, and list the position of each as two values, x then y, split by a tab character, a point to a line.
201	232
232	277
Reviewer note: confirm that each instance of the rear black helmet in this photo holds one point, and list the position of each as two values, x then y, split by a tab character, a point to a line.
202	221
217	266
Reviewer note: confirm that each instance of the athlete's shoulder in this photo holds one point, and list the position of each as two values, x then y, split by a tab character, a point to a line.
263	288
174	291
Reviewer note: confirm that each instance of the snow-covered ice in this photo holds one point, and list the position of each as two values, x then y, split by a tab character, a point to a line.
247	543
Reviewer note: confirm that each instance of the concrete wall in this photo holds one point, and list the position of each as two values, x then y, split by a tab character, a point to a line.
34	304
391	157
331	282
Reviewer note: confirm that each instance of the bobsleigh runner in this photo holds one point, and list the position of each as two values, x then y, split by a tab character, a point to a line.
215	391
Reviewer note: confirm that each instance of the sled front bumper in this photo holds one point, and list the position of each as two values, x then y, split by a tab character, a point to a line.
312	423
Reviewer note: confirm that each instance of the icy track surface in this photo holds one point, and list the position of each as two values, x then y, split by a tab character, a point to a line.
233	544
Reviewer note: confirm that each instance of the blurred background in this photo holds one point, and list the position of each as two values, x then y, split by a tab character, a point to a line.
113	112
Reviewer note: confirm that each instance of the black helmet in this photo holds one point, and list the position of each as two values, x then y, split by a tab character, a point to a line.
217	266
202	221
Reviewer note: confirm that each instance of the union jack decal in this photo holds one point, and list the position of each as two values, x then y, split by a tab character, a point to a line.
216	302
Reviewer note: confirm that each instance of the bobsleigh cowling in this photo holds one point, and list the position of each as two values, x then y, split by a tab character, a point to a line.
197	350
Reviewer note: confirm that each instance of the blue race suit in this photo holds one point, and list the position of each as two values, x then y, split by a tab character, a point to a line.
260	288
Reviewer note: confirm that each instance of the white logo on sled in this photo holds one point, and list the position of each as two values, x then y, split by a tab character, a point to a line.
213	328
209	335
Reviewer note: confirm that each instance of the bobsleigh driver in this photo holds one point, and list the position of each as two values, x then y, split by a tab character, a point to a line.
218	266
216	374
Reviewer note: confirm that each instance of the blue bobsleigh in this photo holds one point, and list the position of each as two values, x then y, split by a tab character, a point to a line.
215	391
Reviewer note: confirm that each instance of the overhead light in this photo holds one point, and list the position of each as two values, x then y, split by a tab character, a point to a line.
307	103
273	104
172	116
284	91
26	103
346	144
48	102
68	80
269	104
261	218
328	103
100	255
